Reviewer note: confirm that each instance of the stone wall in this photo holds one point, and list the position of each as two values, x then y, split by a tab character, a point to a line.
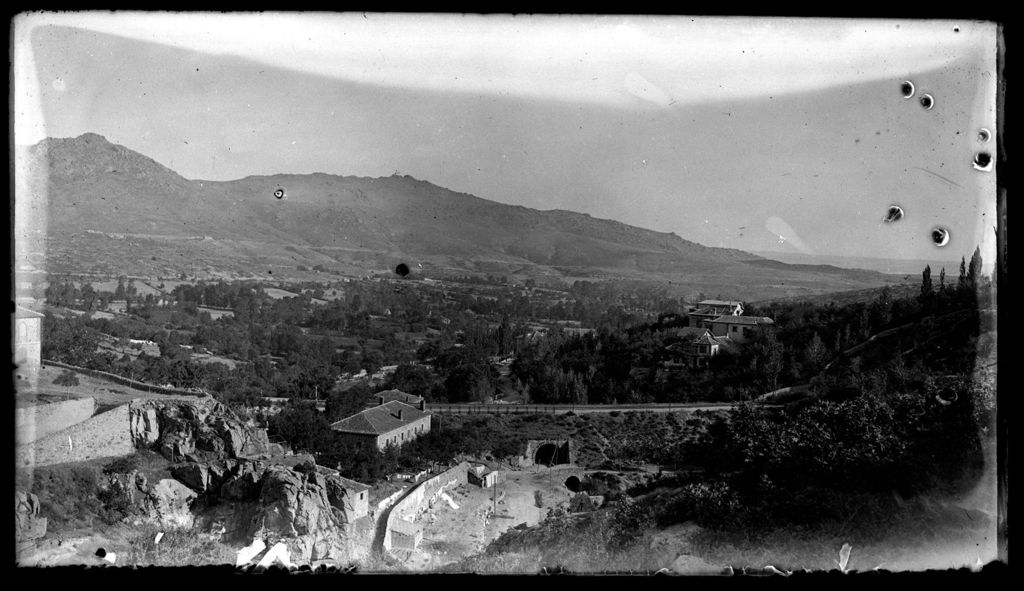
110	377
39	420
101	436
423	495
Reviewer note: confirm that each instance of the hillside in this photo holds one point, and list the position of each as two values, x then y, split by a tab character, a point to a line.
113	210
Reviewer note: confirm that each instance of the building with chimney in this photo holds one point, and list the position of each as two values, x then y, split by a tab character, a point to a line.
393	423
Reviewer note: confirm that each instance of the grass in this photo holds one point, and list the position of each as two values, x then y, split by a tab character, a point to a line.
71	495
176	548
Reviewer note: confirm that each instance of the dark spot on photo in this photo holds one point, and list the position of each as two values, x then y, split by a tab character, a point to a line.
402	269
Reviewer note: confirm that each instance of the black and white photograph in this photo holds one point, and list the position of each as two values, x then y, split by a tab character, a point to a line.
368	292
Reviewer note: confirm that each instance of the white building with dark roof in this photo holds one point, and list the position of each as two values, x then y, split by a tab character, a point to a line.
390	424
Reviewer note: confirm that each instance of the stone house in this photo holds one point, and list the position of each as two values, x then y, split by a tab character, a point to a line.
405	534
28	330
740	329
483	476
697	347
390	424
357	498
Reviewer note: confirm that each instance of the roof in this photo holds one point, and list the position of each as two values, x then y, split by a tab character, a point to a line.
719	303
691	331
406	528
749	320
380	419
390	395
705	339
352	484
20	312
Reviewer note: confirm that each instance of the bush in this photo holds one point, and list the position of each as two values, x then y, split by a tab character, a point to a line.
710	504
66	378
122	465
68	495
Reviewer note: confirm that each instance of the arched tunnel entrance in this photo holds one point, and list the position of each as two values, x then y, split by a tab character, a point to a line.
573	484
546	454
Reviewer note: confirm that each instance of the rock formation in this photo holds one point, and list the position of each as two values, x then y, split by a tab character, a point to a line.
196	430
167	503
28	523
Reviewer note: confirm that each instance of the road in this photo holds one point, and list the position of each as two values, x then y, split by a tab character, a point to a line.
573	408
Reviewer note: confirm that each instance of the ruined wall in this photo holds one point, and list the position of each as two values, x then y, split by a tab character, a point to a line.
101	436
423	495
39	420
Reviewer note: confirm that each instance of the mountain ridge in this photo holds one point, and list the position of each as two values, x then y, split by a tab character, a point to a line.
96	189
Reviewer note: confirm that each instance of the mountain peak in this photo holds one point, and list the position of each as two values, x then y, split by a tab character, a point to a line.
91	154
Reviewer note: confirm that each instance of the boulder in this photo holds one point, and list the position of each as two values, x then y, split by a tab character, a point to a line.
243	483
194	476
28	523
202	429
143	424
172	501
296	508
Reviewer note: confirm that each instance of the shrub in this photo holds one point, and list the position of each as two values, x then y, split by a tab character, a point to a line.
66	378
581	502
710	504
122	465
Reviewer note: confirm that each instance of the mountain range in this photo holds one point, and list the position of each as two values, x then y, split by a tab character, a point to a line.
111	210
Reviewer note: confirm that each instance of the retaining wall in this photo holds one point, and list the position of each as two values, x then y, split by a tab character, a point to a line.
123	380
39	420
423	495
101	436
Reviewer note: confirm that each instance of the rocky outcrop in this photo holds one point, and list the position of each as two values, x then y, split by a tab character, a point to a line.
296	508
167	503
196	430
28	524
304	508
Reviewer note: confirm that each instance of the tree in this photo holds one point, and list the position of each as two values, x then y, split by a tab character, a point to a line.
342	404
974	269
942	280
961	283
926	283
815	353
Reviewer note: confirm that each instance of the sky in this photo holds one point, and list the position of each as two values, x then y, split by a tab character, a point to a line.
765	134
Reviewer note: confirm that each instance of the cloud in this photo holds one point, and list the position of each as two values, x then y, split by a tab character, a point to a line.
570	58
